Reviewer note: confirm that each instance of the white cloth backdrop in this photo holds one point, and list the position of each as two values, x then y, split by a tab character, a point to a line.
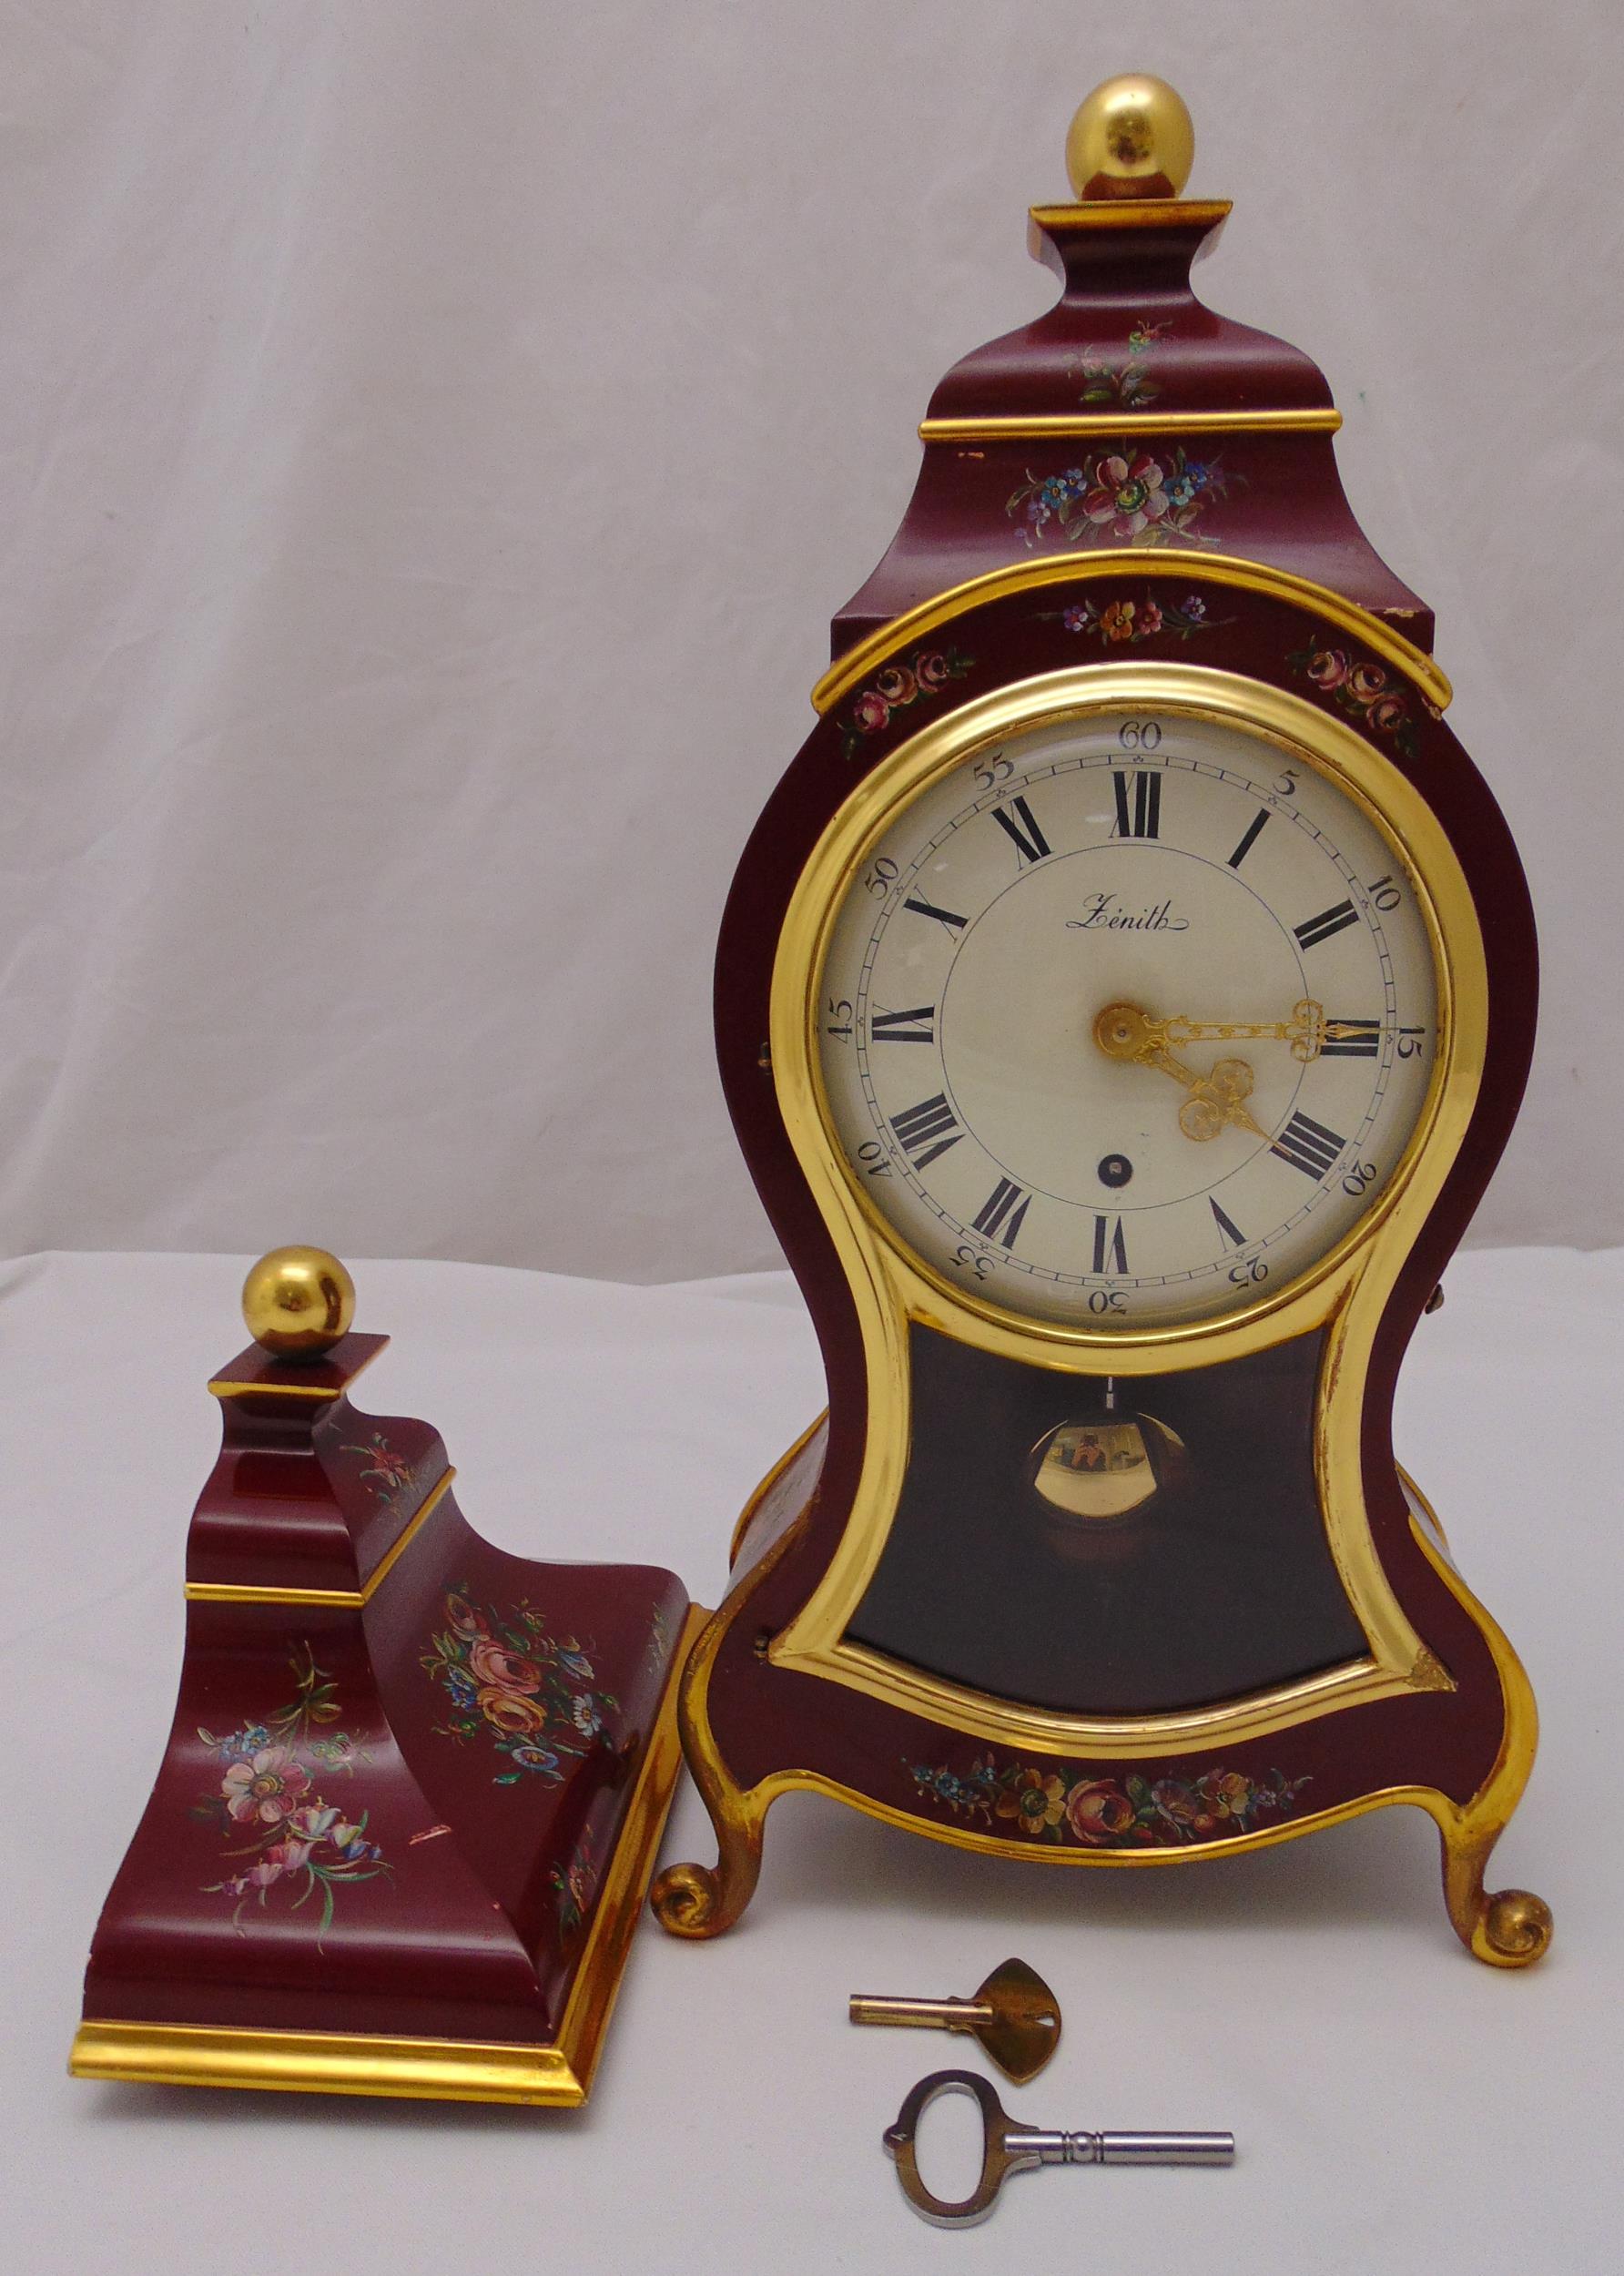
434	437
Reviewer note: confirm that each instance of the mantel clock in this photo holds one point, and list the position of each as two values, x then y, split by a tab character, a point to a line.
1122	1002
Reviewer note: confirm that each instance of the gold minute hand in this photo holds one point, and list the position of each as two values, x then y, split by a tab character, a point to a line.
1306	1031
1123	1032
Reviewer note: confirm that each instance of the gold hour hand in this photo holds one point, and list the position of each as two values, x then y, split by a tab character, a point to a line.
1123	1032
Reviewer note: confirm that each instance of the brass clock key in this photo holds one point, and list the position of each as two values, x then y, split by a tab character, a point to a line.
1014	2015
1009	2149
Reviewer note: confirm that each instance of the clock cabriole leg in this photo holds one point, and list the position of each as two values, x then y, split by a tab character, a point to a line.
694	1900
1505	1928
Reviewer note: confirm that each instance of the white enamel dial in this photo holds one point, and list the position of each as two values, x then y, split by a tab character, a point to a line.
1020	1009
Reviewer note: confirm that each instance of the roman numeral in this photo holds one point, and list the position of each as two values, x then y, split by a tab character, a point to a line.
1145	821
1227	1225
1000	1218
927	1131
1107	1242
1029	842
1328	921
928	909
917	1026
1308	1146
1253	832
1351	1038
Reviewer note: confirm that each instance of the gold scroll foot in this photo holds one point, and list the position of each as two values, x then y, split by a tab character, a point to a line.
1507	1927
703	1900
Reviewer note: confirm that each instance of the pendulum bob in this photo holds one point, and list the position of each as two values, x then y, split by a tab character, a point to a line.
1095	1478
414	1786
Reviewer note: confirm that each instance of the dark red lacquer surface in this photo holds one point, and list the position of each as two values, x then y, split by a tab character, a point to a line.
1127	313
341	1838
1128	334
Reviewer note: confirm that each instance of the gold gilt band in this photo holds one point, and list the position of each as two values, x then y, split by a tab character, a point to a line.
237	1592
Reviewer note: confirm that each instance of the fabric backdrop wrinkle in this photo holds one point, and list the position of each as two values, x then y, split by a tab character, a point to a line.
432	442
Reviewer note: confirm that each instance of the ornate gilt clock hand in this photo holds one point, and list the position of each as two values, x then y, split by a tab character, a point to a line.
1306	1031
1123	1032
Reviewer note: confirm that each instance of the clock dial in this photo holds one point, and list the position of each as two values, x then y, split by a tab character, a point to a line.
1127	1019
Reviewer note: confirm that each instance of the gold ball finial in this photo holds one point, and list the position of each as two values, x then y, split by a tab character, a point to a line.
1131	137
298	1302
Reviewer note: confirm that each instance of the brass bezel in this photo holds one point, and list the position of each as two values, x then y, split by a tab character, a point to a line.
1344	1292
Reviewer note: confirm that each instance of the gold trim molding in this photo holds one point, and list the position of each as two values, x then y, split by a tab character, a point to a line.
1134	213
853	668
1343	1294
559	2075
241	1592
1129	423
222	1388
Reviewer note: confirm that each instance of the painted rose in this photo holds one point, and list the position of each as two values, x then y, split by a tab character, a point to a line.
1129	495
1097	1809
502	1671
1387	712
465	1618
896	684
1116	620
1327	668
267	1786
511	1712
1034	1801
871	712
1365	681
1150	618
931	669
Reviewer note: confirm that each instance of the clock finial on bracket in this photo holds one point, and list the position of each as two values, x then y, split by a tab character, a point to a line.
1131	137
297	1303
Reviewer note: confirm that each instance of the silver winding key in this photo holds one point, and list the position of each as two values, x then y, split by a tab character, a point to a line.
1011	2148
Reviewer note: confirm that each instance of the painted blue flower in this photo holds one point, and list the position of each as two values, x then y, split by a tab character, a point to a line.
1196	471
527	1755
462	1686
241	1746
1055	492
1182	489
1194	607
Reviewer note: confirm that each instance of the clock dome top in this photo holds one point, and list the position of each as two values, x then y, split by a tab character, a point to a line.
1129	415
